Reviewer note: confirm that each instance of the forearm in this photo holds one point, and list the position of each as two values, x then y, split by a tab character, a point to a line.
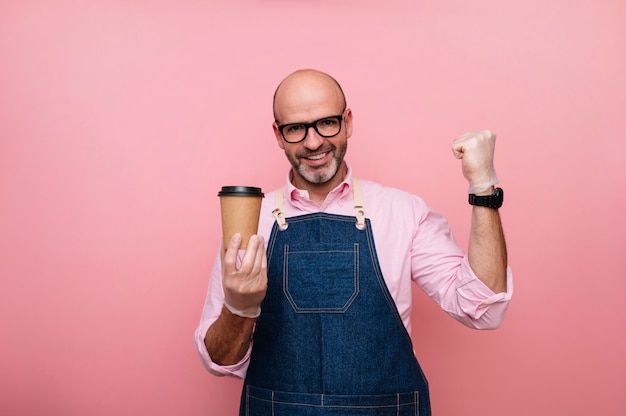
228	339
487	248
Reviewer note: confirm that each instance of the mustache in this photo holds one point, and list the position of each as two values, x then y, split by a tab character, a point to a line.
322	149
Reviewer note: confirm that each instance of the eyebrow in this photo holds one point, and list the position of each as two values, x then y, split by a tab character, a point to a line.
311	122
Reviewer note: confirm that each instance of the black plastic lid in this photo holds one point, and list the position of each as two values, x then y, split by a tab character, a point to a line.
240	191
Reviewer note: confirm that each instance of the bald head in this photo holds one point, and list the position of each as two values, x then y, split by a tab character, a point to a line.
304	89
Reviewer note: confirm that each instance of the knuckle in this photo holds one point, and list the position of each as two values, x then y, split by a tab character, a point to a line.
488	134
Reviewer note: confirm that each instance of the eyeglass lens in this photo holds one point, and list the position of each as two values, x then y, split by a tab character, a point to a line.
326	127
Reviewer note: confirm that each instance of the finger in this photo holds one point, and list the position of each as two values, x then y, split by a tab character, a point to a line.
249	258
458	147
260	257
457	151
264	262
230	256
467	134
489	134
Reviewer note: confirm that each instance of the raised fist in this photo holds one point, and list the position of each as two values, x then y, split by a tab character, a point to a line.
476	149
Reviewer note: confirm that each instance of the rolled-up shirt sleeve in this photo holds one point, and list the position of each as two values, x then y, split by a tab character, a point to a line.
210	312
485	308
441	268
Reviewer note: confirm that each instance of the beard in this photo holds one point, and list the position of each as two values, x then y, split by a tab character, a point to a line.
320	174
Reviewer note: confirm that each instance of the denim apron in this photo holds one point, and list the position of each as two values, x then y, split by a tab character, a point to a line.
330	340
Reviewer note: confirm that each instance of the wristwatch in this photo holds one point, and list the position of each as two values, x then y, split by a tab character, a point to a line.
490	201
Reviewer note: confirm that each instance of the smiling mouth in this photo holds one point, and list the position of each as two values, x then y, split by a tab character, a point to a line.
316	157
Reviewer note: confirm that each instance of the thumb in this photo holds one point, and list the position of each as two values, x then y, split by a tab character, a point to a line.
458	149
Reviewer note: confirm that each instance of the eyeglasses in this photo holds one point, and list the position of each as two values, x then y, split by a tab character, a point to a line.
325	127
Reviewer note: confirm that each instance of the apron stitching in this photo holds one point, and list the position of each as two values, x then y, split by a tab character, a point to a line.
417	403
398	404
355	281
382	284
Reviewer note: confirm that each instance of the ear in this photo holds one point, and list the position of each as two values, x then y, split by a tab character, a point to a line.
347	120
279	137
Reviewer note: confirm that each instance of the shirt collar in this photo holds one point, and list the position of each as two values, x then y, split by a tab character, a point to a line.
297	196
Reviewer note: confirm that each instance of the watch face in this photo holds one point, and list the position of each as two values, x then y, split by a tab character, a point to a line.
499	196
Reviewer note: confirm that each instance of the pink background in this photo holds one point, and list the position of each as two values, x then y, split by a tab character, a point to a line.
120	120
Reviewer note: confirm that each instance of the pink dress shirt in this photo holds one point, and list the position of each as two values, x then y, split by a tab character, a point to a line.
414	244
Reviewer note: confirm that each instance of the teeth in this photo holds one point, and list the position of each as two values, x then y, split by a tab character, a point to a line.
317	157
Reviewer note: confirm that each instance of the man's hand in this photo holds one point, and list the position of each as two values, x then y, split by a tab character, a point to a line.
476	149
244	288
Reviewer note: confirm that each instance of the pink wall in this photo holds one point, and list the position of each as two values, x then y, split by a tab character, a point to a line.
119	121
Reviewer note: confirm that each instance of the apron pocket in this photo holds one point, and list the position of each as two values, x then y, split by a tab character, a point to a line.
321	279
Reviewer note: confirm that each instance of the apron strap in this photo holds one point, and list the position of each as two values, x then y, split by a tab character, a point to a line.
359	213
278	212
358	203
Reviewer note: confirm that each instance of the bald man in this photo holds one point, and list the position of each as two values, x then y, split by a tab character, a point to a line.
317	320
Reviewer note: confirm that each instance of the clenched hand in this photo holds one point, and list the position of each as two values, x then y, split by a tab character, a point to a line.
245	287
476	150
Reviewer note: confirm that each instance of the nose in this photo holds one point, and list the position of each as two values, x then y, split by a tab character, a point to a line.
312	140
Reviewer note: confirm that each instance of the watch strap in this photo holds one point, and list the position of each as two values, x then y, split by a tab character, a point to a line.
490	201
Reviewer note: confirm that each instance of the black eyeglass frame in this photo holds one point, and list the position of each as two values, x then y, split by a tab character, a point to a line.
313	124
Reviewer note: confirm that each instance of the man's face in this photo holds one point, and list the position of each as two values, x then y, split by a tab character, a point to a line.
316	160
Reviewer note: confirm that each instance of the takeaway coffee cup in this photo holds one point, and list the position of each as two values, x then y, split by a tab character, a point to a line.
241	207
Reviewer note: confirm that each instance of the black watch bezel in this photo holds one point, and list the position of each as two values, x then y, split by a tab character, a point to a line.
490	201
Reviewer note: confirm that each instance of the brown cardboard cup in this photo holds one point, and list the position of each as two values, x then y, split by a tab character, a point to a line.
241	208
